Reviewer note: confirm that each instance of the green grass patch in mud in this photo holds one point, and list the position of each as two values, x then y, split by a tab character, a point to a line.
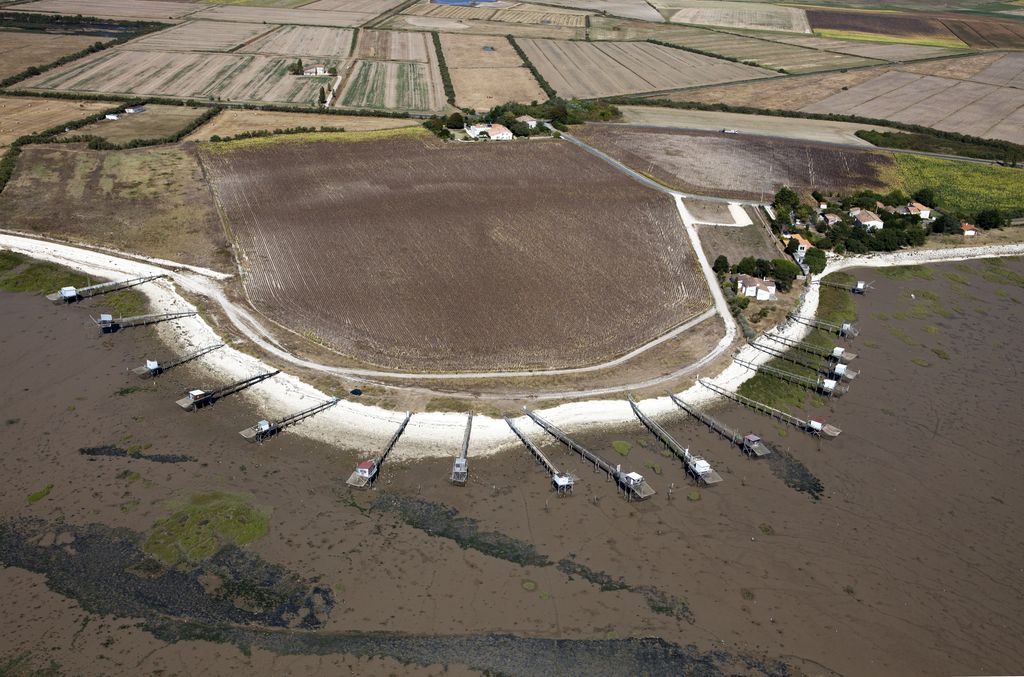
38	277
204	524
10	260
37	496
622	447
908	273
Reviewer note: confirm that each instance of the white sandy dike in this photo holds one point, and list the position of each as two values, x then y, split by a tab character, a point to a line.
353	425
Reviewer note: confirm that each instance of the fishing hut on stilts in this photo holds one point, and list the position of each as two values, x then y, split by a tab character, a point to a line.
811	426
74	294
460	467
197	399
751	445
263	430
366	471
696	466
562	482
153	368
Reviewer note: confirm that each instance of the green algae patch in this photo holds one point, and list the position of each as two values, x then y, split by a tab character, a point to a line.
203	525
37	496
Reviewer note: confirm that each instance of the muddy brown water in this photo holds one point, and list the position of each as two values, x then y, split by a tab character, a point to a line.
908	563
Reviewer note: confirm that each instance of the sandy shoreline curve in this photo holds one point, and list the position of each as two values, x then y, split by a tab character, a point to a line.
353	425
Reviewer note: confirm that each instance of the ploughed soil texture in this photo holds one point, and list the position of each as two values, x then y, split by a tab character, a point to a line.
413	254
892	550
736	165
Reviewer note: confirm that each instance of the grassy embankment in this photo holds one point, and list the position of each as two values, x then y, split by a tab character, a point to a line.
260	141
834	305
927	40
204	524
18	273
960	186
930	143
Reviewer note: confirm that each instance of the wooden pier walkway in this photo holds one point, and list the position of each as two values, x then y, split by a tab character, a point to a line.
825	386
197	399
748	444
563	483
633	484
108	325
810	426
367	471
696	466
836	353
859	287
266	429
833	370
845	329
155	368
460	466
72	294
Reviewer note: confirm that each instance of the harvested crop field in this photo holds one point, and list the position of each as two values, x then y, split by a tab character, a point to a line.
484	88
23	49
752	15
471	26
741	166
272	15
394	85
487	71
410	253
201	36
235	77
234	122
394	46
371	8
477	51
517	14
21	115
826	131
988	104
304	41
774	55
988	34
887	51
117	9
589	70
630	9
152	201
156	122
737	243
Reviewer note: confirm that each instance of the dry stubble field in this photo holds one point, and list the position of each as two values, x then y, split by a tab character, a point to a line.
304	41
20	115
233	122
117	9
589	70
233	77
753	15
22	49
201	36
486	71
413	254
741	166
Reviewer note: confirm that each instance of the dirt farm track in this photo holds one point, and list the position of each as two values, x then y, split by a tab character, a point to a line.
573	265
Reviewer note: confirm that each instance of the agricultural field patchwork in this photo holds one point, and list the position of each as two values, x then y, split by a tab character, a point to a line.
987	34
400	85
482	283
371	8
740	166
517	14
152	201
629	9
752	15
409	22
870	50
394	46
234	77
988	104
301	16
117	9
201	36
23	49
316	42
234	122
762	52
588	70
22	115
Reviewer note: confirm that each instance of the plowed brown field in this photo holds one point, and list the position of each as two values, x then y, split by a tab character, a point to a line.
741	166
409	253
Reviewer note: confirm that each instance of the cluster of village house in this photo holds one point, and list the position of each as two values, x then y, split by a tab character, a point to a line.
497	132
872	221
764	289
